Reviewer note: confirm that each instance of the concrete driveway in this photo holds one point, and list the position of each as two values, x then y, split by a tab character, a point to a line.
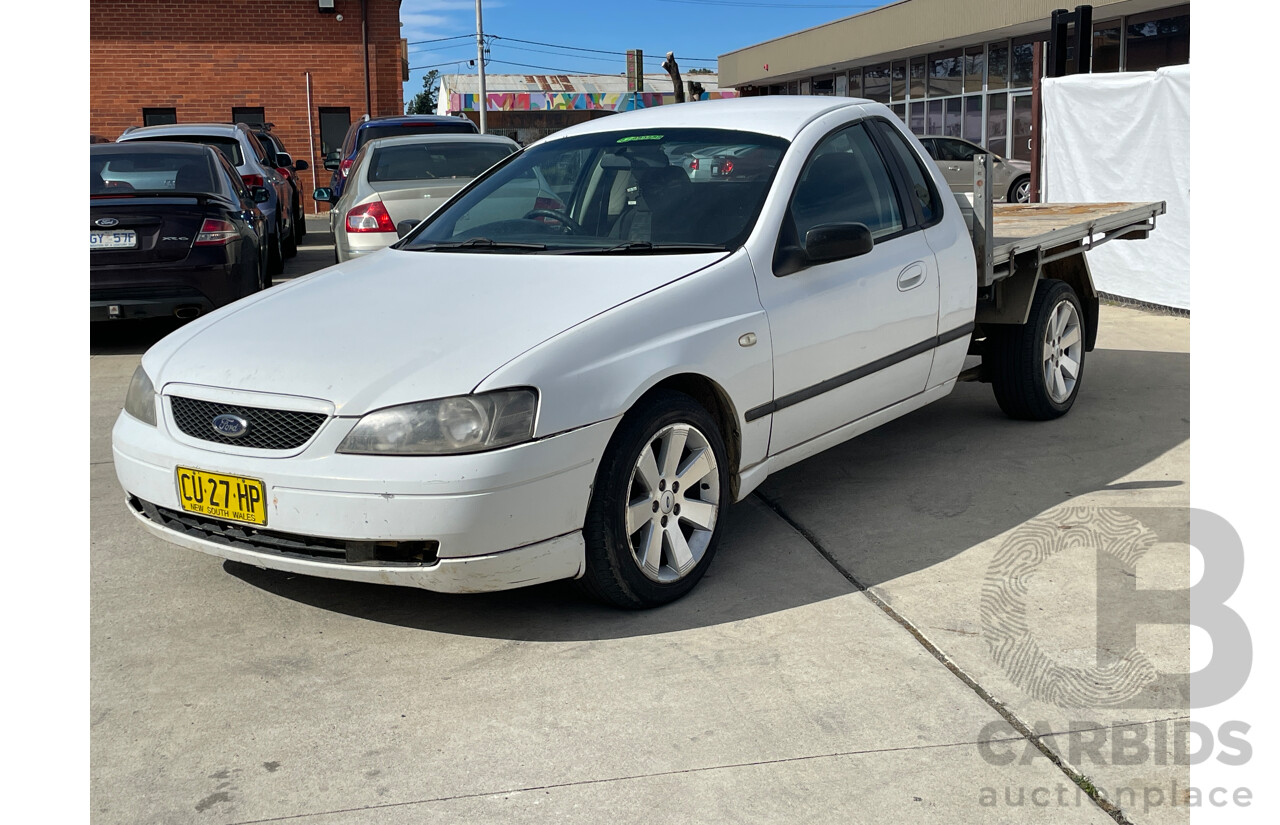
850	656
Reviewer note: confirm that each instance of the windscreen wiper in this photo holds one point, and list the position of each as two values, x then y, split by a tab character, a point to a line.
476	243
631	247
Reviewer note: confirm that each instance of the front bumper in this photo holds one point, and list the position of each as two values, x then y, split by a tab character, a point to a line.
495	520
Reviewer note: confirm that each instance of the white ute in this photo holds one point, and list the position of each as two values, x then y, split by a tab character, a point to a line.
575	366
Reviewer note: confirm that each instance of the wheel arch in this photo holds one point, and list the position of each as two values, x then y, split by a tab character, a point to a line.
715	400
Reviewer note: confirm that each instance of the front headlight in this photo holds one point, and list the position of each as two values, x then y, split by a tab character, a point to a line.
140	401
460	424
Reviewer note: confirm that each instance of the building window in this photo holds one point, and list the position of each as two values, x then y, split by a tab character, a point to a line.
824	86
998	65
855	83
900	109
916	119
1158	39
1023	62
917	89
875	81
333	129
806	87
1106	46
898	79
842	85
159	117
945	74
933	119
249	115
998	124
954	123
972	129
974	68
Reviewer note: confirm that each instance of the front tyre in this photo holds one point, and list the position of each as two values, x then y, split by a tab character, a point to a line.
1036	368
657	509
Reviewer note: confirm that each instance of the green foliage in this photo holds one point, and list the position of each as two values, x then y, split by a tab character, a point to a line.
424	103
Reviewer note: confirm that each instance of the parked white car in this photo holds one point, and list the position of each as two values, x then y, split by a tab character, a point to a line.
582	390
399	181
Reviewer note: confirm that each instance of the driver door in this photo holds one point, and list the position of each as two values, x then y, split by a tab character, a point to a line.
853	336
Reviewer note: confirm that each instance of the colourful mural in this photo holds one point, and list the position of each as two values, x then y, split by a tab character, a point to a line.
540	101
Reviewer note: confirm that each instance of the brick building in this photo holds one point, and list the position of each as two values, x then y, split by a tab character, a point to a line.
286	62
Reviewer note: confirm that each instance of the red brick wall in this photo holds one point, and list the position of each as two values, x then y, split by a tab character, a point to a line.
204	58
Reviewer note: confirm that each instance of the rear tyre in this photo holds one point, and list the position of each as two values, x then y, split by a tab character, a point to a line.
656	513
299	223
1020	191
264	270
290	249
1036	368
275	254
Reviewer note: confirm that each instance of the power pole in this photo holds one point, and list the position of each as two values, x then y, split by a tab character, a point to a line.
484	97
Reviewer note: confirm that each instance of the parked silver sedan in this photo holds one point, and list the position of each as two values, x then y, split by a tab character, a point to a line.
399	181
1010	179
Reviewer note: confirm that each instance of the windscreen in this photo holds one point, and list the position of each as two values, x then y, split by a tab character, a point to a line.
152	172
669	190
229	147
429	161
462	127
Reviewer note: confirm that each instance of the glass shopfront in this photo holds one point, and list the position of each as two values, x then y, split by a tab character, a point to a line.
982	92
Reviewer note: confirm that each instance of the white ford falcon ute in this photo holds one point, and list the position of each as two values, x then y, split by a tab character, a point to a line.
574	367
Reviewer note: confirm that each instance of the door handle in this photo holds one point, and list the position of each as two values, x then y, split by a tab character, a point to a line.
953	168
911	277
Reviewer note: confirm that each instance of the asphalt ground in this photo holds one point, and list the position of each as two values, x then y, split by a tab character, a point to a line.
924	624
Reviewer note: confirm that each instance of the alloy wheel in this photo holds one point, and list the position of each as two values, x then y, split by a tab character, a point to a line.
1063	346
673	503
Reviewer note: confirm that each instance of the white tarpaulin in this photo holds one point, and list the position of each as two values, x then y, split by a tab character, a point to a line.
1127	137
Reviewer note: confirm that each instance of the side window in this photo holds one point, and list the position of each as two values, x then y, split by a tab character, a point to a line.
958	150
233	178
258	151
845	181
930	146
918	179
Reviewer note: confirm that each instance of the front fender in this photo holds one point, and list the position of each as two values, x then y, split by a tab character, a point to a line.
598	369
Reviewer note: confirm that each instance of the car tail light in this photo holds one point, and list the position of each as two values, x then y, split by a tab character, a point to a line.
253	180
284	171
693	164
346	166
548	203
370	217
726	167
216	232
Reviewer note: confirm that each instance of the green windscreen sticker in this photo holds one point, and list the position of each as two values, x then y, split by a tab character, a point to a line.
634	138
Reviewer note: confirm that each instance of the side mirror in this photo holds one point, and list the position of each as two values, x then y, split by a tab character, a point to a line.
301	166
405	227
332	163
324	194
260	194
283	159
836	242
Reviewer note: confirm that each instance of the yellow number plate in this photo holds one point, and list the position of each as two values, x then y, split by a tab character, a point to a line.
226	497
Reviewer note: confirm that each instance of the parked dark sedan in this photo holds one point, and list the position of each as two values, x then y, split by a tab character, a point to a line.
173	231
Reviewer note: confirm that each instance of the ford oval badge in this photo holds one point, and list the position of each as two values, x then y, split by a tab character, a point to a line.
106	221
231	426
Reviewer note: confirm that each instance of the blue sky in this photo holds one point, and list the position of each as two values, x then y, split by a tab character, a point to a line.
691	28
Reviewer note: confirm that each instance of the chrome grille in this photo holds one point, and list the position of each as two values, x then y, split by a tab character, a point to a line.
267	430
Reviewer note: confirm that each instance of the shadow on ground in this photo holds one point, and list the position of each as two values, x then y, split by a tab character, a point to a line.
903	498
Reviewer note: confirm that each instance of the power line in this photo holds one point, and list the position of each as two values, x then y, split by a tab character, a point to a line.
444	48
599	51
441	39
558	71
610	59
